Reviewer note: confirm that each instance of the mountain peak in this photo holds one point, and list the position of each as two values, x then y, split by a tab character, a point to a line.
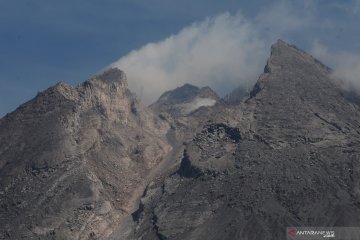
183	92
186	93
185	99
282	46
91	162
111	82
296	83
286	56
281	43
113	75
188	85
62	87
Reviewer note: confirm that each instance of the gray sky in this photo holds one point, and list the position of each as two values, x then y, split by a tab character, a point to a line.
162	44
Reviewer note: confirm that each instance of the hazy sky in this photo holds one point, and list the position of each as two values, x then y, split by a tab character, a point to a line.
212	42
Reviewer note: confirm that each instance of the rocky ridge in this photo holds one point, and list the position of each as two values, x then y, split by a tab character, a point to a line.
73	159
286	156
91	162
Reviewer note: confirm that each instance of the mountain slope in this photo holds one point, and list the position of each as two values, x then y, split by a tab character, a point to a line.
91	162
291	159
73	159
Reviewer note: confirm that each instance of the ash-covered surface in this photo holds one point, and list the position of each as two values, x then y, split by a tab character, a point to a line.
92	162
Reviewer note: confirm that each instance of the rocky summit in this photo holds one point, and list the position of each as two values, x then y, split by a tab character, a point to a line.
92	162
73	160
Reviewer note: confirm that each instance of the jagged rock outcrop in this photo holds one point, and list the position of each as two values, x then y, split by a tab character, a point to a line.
73	159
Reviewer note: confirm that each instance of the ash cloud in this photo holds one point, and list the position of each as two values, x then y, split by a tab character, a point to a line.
221	52
346	65
228	51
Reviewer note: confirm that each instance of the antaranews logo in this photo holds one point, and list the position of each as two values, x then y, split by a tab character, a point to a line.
292	233
309	233
323	233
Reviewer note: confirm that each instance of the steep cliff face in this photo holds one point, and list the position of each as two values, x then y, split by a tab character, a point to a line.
72	160
296	100
287	156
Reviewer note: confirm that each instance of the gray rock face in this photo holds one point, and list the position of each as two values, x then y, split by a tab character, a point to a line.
92	162
73	159
287	156
185	100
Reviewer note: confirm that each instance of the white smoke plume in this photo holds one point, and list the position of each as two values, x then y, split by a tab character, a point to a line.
346	65
221	52
227	51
